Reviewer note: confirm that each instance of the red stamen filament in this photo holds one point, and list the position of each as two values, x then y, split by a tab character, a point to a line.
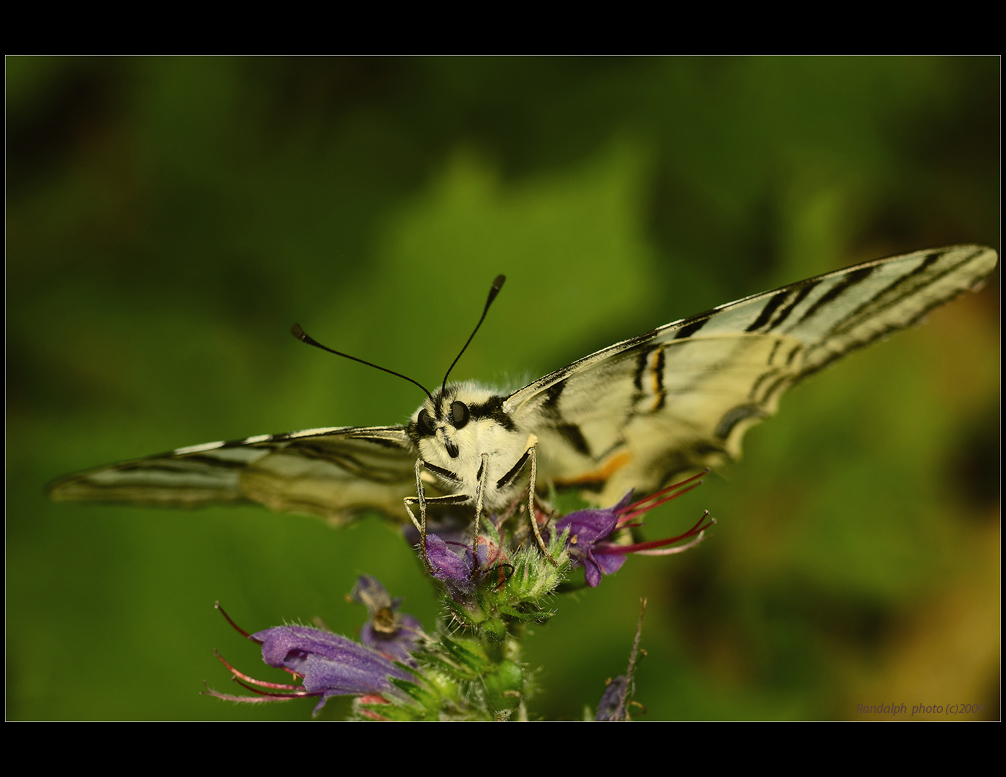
278	696
649	548
242	676
641	506
236	628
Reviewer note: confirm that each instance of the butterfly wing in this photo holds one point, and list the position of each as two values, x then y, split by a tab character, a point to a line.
679	398
335	473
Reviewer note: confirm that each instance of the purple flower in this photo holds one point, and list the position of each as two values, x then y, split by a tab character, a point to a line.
614	704
591	532
450	562
454	568
392	634
327	664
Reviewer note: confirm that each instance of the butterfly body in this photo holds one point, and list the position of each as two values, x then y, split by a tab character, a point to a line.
451	445
635	415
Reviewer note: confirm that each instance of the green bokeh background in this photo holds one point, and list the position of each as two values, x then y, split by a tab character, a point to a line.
169	218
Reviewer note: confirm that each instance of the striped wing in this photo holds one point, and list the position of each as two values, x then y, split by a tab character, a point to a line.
335	473
679	398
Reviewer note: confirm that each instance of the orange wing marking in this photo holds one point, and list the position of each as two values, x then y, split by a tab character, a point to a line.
605	471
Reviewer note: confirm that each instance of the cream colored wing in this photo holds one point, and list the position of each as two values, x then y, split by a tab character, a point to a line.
679	398
335	473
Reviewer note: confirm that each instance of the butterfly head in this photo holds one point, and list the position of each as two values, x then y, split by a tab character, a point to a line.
441	424
457	422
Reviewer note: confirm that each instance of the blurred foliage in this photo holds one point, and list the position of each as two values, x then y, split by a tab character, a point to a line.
169	218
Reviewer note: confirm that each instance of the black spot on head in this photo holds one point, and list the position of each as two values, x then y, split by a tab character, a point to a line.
492	408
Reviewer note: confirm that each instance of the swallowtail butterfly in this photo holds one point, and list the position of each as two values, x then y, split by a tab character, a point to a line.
635	415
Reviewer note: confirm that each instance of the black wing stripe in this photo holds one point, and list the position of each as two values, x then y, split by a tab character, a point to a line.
903	290
691	328
896	293
572	434
848	282
658	378
735	416
765	316
756	387
550	407
793	303
201	459
642	359
793	354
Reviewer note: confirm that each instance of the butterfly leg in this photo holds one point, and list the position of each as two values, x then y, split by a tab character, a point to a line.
422	500
530	454
419	499
479	494
532	450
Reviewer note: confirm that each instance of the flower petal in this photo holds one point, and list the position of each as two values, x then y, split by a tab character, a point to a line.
447	566
328	662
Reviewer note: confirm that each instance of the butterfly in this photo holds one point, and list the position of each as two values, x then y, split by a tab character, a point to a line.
636	415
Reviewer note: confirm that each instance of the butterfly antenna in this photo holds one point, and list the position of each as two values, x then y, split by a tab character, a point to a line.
297	331
497	285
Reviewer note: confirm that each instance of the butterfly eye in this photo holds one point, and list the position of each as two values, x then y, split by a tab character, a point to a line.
424	424
459	414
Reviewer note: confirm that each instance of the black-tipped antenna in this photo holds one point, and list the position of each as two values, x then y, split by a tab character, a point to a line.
497	285
297	331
